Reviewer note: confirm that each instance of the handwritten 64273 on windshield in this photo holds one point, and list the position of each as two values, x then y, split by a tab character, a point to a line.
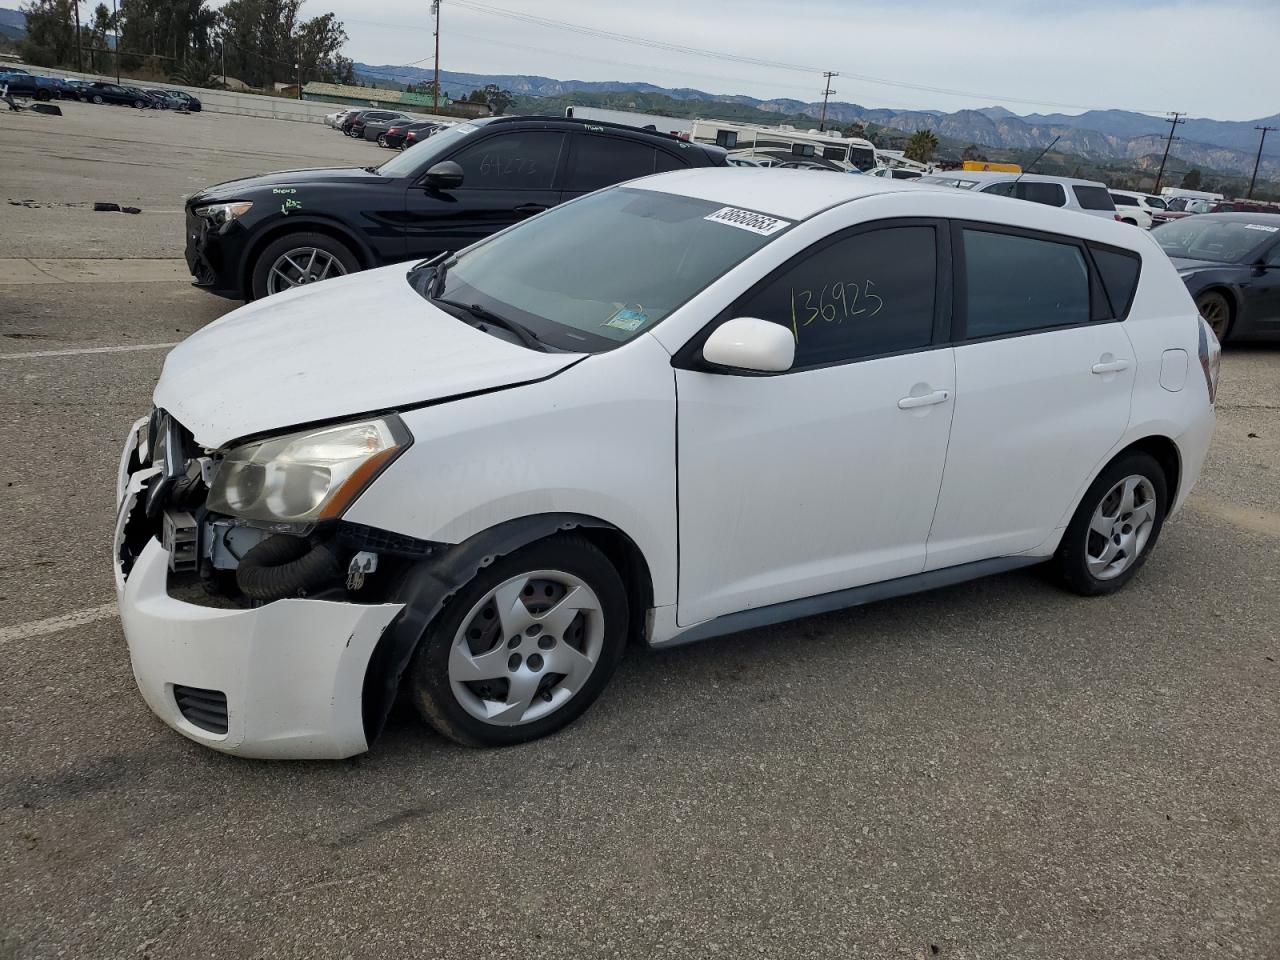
834	303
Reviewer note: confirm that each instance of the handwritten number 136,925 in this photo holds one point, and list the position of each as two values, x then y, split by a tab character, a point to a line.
843	303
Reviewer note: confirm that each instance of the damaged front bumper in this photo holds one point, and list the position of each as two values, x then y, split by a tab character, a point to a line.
280	680
215	255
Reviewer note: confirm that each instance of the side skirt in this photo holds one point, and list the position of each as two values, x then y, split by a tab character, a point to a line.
842	599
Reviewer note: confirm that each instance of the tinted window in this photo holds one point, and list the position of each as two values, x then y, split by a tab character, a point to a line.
834	153
1016	284
1120	200
669	161
1093	198
1273	258
1155	202
1220	241
865	295
521	160
600	161
1049	194
1119	272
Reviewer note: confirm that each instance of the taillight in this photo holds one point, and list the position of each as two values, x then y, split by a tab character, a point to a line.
1210	358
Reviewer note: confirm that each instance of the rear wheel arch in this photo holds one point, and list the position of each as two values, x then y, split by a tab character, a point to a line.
310	225
1228	294
1165	452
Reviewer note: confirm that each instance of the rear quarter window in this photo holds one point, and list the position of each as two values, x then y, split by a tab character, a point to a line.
1093	198
1118	270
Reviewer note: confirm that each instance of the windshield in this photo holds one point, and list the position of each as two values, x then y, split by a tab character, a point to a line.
596	272
1155	202
421	155
1220	241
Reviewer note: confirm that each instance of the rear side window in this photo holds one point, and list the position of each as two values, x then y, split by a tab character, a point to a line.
1050	194
1118	269
860	296
1093	198
669	161
1122	201
1017	284
521	160
601	161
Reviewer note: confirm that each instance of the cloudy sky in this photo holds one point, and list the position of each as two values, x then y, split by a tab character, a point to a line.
1028	55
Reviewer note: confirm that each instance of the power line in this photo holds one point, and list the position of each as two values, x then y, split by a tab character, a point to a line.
1258	159
1175	118
602	34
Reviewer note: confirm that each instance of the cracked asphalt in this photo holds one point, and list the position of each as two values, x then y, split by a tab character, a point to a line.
988	771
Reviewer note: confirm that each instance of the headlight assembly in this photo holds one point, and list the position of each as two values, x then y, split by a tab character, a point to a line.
220	213
309	476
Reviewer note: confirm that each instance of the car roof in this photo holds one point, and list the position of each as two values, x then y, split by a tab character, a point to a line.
993	176
575	123
801	194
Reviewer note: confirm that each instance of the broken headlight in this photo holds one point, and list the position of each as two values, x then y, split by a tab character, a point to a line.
220	213
304	477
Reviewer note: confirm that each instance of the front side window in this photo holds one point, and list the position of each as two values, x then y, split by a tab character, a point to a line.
861	296
1017	284
601	161
520	160
596	272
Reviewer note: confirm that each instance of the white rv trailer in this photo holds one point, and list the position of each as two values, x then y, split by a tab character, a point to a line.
784	142
674	125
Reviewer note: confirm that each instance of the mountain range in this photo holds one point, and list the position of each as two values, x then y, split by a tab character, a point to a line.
1099	135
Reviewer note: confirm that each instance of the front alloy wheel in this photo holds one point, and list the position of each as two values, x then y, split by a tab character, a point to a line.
525	647
1216	311
302	265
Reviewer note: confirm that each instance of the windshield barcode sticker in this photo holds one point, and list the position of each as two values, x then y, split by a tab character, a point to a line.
1260	226
748	220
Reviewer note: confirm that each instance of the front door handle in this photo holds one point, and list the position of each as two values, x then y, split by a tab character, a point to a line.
531	208
928	400
1110	366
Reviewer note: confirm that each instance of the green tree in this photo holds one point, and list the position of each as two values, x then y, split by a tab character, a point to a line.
1191	180
51	35
921	146
856	129
973	152
497	99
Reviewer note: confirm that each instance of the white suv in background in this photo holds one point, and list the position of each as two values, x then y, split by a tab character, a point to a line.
1083	196
688	405
1136	208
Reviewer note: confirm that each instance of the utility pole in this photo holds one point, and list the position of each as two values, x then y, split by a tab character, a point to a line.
435	87
826	95
115	22
79	55
299	66
1175	118
1258	159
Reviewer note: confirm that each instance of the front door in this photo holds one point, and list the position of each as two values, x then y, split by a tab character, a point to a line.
506	177
1045	378
826	476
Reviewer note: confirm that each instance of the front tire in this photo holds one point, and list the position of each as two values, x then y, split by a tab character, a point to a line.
524	648
1116	526
1215	309
44	96
382	139
97	98
297	259
139	105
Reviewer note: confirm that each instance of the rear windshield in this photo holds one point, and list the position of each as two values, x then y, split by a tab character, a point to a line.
598	271
1093	198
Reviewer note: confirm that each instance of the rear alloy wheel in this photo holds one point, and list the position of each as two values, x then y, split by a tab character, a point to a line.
139	105
1216	311
299	259
524	648
1115	526
382	139
97	98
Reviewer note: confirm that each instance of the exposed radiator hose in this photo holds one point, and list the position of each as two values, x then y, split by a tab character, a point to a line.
284	566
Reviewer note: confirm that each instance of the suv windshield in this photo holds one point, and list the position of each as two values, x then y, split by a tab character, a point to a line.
421	155
595	272
1220	241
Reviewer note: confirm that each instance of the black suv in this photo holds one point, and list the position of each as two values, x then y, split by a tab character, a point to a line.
250	238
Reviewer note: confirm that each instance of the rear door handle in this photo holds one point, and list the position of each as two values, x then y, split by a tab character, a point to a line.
1110	366
531	208
928	400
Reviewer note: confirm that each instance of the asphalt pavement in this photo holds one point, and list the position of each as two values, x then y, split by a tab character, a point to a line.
994	770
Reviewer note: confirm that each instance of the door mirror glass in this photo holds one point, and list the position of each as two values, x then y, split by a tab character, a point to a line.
748	343
445	175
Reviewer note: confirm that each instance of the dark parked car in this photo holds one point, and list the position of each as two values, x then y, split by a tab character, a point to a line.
181	100
37	88
413	137
395	135
355	126
1230	263
102	92
375	130
253	237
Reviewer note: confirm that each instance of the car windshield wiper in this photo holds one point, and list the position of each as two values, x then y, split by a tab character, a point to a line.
523	334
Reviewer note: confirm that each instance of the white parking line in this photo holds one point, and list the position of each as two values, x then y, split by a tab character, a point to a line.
87	350
38	628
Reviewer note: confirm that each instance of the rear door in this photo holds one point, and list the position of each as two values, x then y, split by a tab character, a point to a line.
507	177
1044	377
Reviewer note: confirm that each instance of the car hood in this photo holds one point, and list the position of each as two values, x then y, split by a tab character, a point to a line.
248	186
345	347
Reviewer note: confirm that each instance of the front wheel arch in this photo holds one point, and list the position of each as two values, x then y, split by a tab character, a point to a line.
364	256
1233	305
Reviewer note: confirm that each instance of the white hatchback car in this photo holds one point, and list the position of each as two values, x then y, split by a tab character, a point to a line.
693	404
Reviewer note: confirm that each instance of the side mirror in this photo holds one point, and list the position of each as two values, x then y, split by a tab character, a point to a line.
445	175
748	343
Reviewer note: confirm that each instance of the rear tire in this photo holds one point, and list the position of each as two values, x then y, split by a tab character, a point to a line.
1215	309
485	677
1115	528
139	105
330	253
382	139
44	96
97	98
